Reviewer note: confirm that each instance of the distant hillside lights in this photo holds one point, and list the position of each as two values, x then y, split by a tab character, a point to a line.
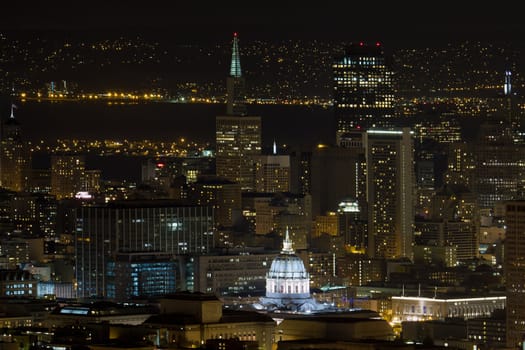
150	96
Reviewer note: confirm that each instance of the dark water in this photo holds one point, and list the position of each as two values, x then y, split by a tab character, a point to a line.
295	126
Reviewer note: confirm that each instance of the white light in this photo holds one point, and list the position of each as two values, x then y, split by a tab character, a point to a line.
83	195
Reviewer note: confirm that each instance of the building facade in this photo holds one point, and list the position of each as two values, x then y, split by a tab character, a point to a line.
514	267
390	187
14	157
422	308
135	226
363	88
67	175
237	135
141	274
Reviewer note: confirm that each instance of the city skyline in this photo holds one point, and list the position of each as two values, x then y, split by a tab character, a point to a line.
377	144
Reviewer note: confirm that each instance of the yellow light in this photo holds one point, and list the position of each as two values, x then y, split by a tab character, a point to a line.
23	94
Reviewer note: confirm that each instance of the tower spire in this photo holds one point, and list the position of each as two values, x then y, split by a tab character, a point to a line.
236	98
235	67
12	111
287	243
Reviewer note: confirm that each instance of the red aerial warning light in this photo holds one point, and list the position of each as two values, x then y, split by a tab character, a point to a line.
361	43
235	34
378	44
160	165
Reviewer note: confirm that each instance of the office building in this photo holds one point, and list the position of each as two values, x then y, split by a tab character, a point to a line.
390	188
363	88
301	171
189	320
272	173
135	226
353	224
14	157
406	308
34	214
238	135
267	212
337	173
143	274
17	283
221	194
514	267
232	274
499	166
67	175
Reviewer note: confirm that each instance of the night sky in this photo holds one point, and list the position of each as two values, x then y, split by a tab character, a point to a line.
394	21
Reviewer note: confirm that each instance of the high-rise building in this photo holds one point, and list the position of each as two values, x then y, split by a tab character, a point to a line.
461	164
238	136
301	171
513	116
223	195
390	187
235	89
272	173
337	173
67	175
363	88
14	157
499	167
514	267
144	274
231	274
353	225
135	226
34	214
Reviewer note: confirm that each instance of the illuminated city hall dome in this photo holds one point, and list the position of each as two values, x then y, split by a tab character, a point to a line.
287	275
288	283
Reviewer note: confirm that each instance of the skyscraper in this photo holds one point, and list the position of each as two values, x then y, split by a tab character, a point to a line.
515	272
238	136
337	173
235	89
14	158
67	175
390	186
161	226
499	169
363	89
272	173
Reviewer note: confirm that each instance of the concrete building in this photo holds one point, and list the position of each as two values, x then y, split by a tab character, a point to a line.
515	272
237	135
363	88
135	226
191	319
15	158
390	188
423	308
